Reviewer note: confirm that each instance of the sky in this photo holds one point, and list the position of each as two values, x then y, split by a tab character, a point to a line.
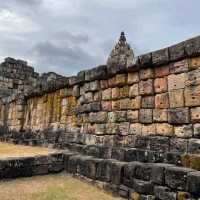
66	36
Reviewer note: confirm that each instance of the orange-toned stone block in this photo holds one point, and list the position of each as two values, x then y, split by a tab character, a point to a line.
161	71
146	87
115	93
133	78
162	100
179	67
164	129
134	90
106	105
194	63
176	98
160	115
176	81
160	85
121	79
146	73
135	103
116	105
149	129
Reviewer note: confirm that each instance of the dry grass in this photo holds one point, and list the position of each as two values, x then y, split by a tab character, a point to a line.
11	150
51	187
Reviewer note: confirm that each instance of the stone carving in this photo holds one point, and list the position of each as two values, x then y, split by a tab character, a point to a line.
122	54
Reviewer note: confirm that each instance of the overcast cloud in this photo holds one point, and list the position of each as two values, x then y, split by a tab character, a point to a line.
67	36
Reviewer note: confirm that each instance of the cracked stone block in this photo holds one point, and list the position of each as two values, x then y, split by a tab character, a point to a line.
176	98
146	87
176	81
162	100
133	78
146	73
160	85
134	90
178	116
146	115
148	102
160	115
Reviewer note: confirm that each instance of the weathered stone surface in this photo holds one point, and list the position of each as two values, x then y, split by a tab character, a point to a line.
177	52
106	105
134	90
104	84
176	98
148	102
135	129
195	114
116	105
133	78
194	146
132	115
121	79
192	96
99	117
117	116
179	67
194	183
146	73
159	144
143	187
178	116
146	115
164	129
160	57
146	60
162	71
192	46
94	85
194	63
176	81
124	92
160	115
162	100
107	94
184	131
115	93
160	85
135	103
146	87
178	145
149	129
196	130
193	78
164	193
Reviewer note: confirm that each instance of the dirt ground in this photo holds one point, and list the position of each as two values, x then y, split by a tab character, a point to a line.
11	150
51	187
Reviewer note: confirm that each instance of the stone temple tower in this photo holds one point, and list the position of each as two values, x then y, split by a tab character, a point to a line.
122	54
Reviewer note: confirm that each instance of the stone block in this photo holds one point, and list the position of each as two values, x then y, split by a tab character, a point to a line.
112	128
112	82
124	92
98	117
116	105
148	102
194	63
178	116
117	116
193	183
88	97
192	96
142	142
183	195
132	115
100	129
195	114
134	90
164	193
160	57
146	87
125	104
160	85
196	130
143	187
194	146
106	105
133	78
162	71
135	129
176	81
178	145
146	73
103	84
192	46
148	129
145	60
94	85
177	52
160	115
118	153
193	78
164	129
121	79
146	115
97	96
179	67
184	131
191	161
176	177
176	98
124	128
115	93
172	158
162	100
107	94
159	144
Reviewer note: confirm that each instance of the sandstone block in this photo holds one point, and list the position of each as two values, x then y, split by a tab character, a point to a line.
112	82
164	193
135	129
195	114
97	96
176	98
162	100
194	146
176	81
160	57
121	79
133	78
88	97
107	94
124	92
94	85
146	87
179	67
106	105
162	71
197	130
193	78
100	129
132	115
143	187
178	116
115	93
194	63
184	131
125	104
192	96
178	145
99	117
112	128
116	105
146	115
134	90
148	102
146	73
160	115
160	85
149	129
164	129
103	84
117	116
124	128
194	183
